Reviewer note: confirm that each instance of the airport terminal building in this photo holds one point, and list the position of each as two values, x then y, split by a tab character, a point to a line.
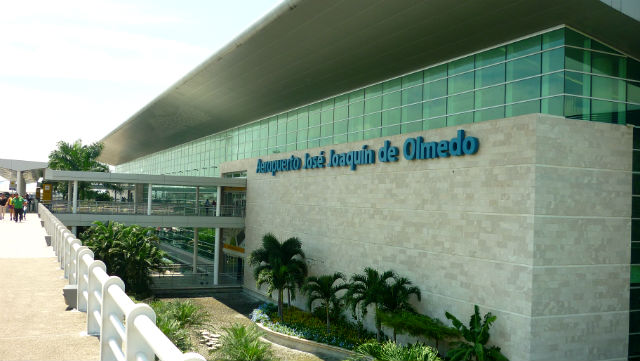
486	150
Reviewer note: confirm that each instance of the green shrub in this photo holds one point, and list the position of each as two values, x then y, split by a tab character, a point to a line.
176	318
476	338
391	351
241	343
174	331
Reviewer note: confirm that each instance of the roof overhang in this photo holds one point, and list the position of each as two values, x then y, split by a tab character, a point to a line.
305	51
31	171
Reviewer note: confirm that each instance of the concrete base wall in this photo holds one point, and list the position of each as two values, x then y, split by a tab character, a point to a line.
534	228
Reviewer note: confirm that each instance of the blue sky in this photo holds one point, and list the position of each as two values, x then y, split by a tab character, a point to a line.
76	69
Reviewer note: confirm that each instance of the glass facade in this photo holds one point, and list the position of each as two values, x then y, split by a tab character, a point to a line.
560	72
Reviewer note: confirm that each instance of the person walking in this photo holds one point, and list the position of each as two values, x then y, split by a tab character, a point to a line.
3	205
25	206
10	206
18	205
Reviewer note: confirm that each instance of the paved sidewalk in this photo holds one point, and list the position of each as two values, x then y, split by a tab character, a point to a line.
34	322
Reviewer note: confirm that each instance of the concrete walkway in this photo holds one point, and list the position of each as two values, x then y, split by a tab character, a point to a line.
34	322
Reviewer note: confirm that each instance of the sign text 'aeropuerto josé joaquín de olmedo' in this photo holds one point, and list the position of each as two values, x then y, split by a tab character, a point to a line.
412	149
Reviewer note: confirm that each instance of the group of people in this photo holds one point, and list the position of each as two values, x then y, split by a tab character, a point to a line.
16	205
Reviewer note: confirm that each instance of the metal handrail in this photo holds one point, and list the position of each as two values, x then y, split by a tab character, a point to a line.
127	330
141	208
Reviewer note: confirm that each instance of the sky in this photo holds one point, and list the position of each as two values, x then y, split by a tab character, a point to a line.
76	69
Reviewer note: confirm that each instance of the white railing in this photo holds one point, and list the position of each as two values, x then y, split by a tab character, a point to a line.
127	330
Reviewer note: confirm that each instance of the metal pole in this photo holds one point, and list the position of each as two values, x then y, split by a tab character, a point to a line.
195	250
197	201
69	194
75	196
149	200
216	256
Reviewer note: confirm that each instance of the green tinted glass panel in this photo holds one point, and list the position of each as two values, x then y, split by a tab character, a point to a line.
356	95
340	127
342	100
341	113
490	57
577	59
371	133
411	113
460	103
412	95
490	75
434	123
412	80
576	39
391	85
314	119
282	124
292	125
576	108
301	145
391	100
488	114
272	142
326	130
281	139
458	119
291	147
302	135
372	121
435	108
577	83
523	90
552	60
461	65
460	83
522	108
606	64
489	97
313	143
524	67
390	117
633	92
352	137
326	141
373	91
435	89
339	139
355	123
411	127
523	47
273	126
392	130
608	88
373	105
291	137
553	106
327	104
633	69
356	109
326	117
437	72
553	39
552	84
314	132
303	120
607	112
596	45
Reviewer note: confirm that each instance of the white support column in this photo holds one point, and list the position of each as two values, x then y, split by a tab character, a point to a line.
197	201
75	196
216	257
195	250
69	193
20	184
149	196
74	230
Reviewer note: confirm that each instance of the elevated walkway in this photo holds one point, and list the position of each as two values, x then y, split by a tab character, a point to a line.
33	315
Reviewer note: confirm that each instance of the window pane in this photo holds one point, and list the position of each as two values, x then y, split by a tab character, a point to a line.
339	139
292	124
522	108
412	80
458	119
553	39
553	106
524	67
342	100
552	60
356	109
391	85
576	108
373	91
577	83
460	103
633	114
411	127
411	113
523	47
434	123
314	119
412	95
371	133
633	69
356	95
489	97
488	114
326	130
490	57
391	117
607	112
372	121
608	88
435	89
552	84
392	130
435	108
461	65
460	83
576	39
355	124
373	105
523	90
302	135
341	113
326	141
436	72
633	92
391	100
352	137
340	127
327	104
313	143
490	75
576	59
303	120
314	132
291	137
326	117
606	64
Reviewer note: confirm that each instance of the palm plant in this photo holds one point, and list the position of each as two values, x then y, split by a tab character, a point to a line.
476	337
325	290
390	351
241	343
276	264
397	297
368	289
